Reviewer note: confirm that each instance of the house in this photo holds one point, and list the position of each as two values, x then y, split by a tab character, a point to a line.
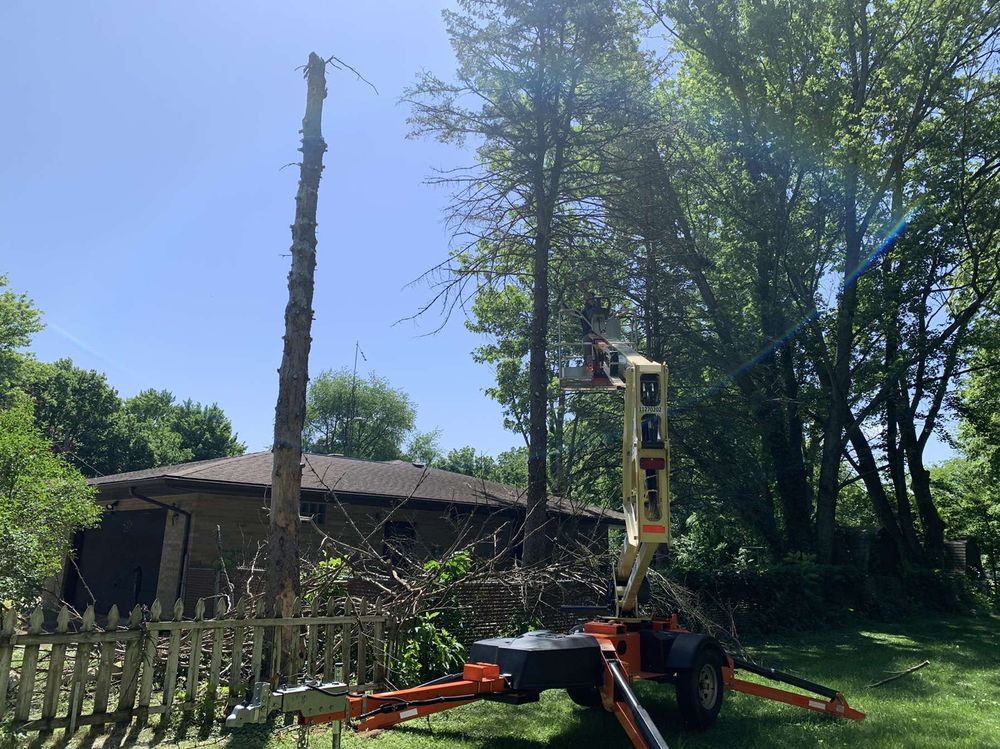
168	532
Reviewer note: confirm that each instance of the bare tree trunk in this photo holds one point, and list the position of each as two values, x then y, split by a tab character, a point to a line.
289	413
533	550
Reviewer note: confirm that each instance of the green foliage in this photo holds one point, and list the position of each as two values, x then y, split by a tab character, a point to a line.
43	501
87	421
969	497
358	417
19	319
327	579
451	569
424	447
192	431
429	651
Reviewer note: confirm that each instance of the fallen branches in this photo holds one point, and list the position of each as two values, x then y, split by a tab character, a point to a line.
900	674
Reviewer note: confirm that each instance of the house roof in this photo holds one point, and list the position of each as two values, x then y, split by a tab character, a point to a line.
395	479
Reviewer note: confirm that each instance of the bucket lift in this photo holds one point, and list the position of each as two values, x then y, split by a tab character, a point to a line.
598	662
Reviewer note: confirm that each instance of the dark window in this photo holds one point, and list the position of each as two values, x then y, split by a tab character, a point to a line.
398	541
315	510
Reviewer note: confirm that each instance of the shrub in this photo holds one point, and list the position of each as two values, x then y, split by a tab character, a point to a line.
429	651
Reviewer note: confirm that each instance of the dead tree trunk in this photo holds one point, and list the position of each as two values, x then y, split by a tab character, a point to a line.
289	413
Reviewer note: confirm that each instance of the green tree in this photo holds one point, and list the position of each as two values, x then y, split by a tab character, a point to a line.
357	417
81	414
19	319
467	460
187	430
967	493
43	501
531	74
424	447
100	433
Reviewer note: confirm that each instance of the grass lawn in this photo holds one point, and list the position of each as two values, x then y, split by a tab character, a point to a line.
954	702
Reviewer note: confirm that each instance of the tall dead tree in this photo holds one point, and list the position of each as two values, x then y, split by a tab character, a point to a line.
289	413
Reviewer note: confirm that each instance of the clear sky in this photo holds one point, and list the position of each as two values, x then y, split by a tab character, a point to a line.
143	205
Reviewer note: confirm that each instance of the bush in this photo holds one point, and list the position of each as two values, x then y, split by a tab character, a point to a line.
800	594
429	651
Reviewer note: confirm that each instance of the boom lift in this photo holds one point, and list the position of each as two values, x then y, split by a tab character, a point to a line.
597	662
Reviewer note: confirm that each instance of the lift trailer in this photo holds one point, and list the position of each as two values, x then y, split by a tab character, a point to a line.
598	662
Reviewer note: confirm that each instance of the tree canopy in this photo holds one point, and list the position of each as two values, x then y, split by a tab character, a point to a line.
792	206
359	417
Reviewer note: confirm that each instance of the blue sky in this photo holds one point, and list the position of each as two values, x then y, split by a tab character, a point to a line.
144	208
143	205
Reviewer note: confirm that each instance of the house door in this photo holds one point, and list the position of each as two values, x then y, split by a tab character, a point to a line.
119	561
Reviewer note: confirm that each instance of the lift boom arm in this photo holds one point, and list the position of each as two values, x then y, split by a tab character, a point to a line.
612	363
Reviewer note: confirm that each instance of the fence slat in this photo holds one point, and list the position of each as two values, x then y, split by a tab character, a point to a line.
236	662
173	657
81	666
311	666
149	659
194	654
345	652
362	647
29	667
6	654
378	640
216	659
50	703
328	643
102	688
258	646
130	665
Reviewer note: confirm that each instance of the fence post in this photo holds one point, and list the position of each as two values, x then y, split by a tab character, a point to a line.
173	658
362	644
6	654
311	667
194	652
328	674
29	667
106	649
215	663
236	666
130	666
50	703
379	645
149	659
258	642
78	690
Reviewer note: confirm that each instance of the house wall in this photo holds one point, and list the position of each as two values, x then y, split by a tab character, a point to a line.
233	527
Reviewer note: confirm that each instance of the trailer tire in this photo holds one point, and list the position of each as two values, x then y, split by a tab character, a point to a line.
700	689
589	697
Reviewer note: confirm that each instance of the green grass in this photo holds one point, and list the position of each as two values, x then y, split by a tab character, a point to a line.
954	702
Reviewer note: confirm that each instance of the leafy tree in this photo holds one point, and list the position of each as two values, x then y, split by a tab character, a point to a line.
530	73
469	461
19	318
424	447
357	417
43	501
969	499
199	432
101	434
81	414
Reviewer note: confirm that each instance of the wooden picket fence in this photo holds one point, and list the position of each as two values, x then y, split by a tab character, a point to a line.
81	674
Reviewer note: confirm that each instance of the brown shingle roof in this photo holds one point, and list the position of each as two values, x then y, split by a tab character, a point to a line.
396	479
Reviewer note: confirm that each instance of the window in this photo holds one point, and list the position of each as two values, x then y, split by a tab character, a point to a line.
398	541
314	510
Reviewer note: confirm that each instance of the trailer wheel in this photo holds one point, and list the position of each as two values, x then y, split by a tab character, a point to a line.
589	697
700	689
